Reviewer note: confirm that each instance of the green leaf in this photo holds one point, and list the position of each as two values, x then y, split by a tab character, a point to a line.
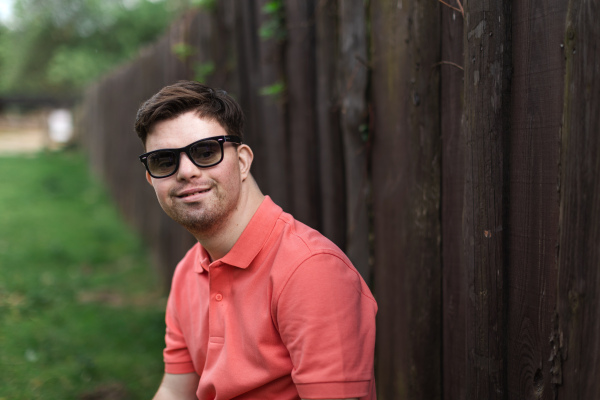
203	70
272	7
208	5
183	51
273	90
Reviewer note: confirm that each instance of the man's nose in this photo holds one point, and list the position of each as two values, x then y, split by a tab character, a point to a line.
187	168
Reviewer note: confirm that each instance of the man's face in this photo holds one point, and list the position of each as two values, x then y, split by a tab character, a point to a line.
200	199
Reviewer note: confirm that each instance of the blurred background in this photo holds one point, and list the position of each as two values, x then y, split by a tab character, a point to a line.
81	307
51	50
450	148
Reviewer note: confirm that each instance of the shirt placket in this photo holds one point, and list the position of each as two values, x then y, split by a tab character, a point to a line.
218	301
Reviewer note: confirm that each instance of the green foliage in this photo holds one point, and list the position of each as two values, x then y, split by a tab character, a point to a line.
274	26
275	89
202	71
59	46
208	5
183	51
364	132
80	310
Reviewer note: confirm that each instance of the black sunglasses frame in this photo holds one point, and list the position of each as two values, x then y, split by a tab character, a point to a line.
186	150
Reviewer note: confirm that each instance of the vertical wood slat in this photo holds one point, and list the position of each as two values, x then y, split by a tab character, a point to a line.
212	36
352	87
249	75
533	154
331	160
579	253
454	289
304	178
273	132
406	179
487	101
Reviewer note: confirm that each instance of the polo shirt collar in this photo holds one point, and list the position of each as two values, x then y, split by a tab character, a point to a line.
250	242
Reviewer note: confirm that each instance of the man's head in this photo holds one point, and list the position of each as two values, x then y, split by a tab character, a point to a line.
185	96
196	161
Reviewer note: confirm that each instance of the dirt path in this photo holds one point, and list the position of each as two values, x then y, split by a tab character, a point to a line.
22	134
22	141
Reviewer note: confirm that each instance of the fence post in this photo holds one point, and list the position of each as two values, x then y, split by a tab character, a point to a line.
577	342
406	197
352	86
454	283
487	109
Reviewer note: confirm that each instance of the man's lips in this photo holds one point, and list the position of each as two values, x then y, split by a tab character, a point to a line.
189	193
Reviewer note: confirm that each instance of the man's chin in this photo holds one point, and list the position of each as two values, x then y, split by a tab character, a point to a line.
197	222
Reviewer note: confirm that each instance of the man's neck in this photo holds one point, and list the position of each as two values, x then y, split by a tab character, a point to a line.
218	242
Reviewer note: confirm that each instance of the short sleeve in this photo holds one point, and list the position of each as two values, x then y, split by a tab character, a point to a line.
176	354
326	319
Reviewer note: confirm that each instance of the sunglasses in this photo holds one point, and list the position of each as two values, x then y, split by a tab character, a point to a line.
203	153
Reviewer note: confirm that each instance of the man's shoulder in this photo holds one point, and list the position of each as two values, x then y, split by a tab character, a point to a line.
308	264
298	242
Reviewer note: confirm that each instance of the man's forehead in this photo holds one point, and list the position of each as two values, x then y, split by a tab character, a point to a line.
182	130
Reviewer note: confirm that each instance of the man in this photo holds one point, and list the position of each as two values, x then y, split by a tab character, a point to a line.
262	307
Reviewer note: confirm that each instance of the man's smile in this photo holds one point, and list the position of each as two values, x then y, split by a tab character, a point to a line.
193	194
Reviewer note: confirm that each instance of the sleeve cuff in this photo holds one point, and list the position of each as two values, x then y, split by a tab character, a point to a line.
328	390
179	368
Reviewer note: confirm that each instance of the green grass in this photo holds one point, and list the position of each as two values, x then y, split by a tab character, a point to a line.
81	311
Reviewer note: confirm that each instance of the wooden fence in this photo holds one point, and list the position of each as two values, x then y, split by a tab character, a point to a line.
453	153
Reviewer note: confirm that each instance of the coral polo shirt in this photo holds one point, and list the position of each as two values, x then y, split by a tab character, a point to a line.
283	315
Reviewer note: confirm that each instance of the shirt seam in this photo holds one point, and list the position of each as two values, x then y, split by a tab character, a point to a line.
315	254
320	383
312	254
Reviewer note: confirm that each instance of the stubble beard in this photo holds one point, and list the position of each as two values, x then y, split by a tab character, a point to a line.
203	218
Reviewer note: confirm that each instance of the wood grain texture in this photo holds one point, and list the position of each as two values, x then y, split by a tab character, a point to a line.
331	152
579	253
532	221
272	130
406	198
454	282
249	71
487	110
302	117
352	86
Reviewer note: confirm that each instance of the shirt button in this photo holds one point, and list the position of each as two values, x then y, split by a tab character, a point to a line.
219	297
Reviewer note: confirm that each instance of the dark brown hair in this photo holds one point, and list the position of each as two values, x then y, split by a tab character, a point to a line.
181	97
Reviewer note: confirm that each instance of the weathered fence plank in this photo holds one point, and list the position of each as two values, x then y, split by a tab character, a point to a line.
532	221
304	180
579	253
487	108
352	86
273	127
250	81
406	197
331	160
214	45
454	286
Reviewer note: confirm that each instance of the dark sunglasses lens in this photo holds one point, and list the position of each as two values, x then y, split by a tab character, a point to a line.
162	163
206	153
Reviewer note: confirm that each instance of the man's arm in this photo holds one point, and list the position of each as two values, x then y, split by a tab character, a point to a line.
178	387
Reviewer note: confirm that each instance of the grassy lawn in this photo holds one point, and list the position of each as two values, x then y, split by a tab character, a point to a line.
81	313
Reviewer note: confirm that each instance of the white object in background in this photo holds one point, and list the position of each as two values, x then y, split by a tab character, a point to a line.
60	125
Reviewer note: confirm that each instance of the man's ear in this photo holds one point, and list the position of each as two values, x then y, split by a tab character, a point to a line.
245	157
149	179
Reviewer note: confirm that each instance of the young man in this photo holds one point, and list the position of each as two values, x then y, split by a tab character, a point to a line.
262	307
